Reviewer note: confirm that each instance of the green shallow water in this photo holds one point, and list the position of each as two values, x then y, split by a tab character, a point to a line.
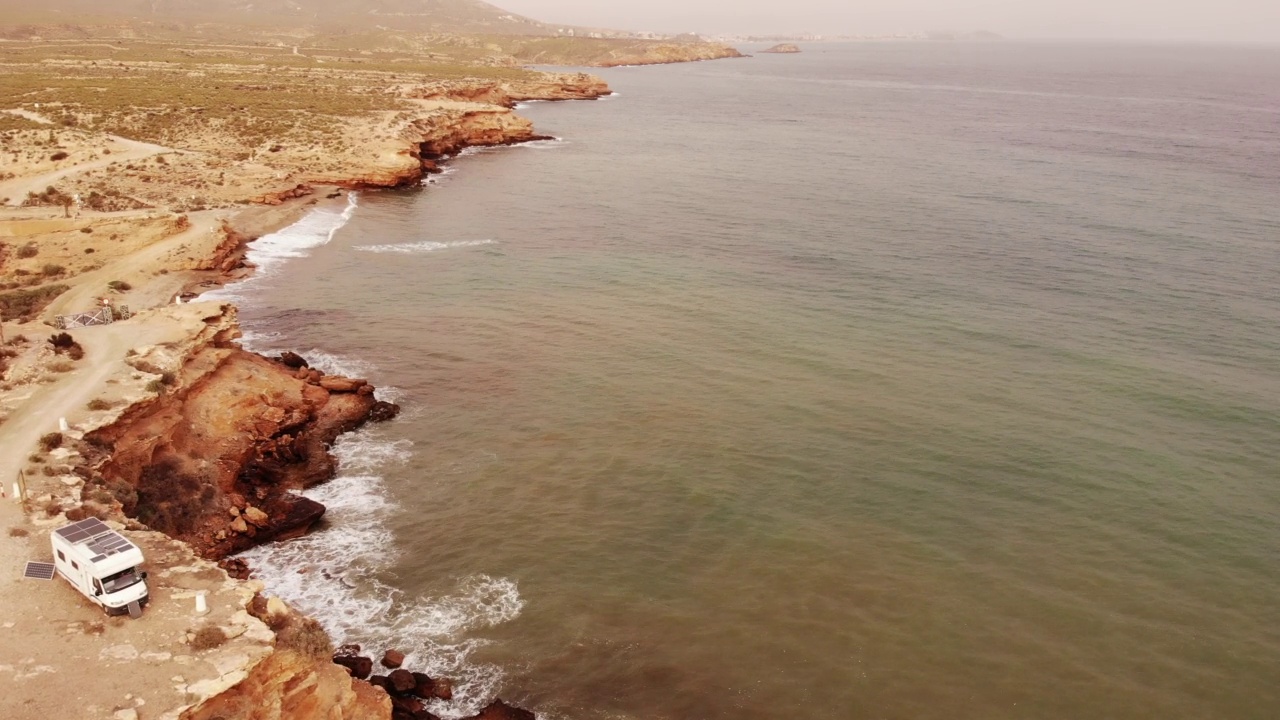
915	381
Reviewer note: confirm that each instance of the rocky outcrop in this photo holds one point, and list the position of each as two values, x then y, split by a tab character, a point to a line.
279	197
450	131
289	686
441	133
228	256
783	49
212	458
506	93
676	52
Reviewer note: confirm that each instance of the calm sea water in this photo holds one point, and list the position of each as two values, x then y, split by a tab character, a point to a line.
881	381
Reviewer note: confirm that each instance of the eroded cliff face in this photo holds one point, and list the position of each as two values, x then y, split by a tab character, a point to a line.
443	131
450	131
211	459
288	685
459	114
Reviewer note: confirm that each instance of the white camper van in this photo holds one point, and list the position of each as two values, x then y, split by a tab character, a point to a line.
101	564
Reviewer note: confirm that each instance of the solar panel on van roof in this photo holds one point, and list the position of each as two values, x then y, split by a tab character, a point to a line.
103	541
80	531
108	544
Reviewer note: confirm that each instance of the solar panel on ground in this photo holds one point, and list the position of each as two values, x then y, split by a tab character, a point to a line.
38	570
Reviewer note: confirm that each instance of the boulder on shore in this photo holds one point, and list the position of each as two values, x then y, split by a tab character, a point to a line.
401	682
392	659
359	666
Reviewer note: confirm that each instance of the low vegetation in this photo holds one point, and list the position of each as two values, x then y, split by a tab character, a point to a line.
302	635
26	305
208	637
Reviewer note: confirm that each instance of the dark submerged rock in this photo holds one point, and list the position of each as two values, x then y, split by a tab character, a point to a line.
383	411
498	710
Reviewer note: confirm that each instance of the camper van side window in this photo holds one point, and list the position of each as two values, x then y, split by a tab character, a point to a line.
74	565
62	557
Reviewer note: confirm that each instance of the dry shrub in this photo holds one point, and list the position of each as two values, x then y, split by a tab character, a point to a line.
61	366
305	636
52	507
99	404
18	532
208	637
51	441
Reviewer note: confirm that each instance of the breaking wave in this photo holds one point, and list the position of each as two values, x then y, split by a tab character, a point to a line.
424	246
335	576
270	251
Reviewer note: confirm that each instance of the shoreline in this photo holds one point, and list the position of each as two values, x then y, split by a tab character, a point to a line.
442	142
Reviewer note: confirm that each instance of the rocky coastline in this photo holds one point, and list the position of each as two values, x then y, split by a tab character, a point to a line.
212	453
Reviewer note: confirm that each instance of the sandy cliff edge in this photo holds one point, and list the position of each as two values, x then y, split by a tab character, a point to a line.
146	433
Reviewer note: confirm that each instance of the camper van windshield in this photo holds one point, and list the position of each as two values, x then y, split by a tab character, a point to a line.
120	580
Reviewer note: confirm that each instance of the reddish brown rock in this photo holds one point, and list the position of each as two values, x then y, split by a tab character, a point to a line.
498	710
236	568
383	411
401	682
293	360
278	198
359	666
334	383
406	707
236	425
392	659
428	687
288	685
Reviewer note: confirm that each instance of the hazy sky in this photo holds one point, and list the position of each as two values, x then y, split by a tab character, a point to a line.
1250	20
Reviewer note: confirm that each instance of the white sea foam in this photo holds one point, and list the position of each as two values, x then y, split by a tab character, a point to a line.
268	252
424	246
548	144
440	177
335	574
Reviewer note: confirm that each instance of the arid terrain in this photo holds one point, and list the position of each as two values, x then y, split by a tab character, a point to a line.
134	168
